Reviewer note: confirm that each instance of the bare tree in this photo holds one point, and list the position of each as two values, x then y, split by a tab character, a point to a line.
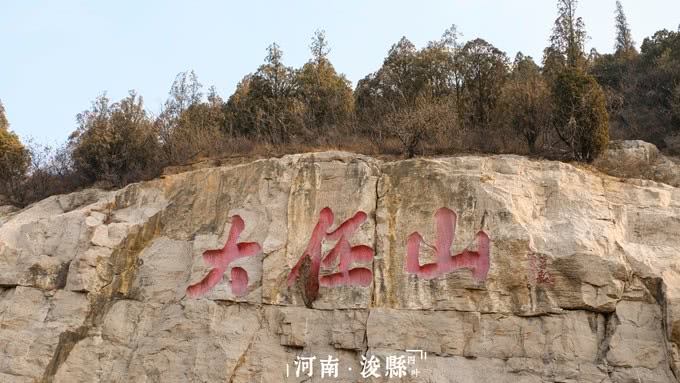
414	124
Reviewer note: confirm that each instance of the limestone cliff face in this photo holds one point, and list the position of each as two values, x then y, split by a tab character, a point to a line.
582	285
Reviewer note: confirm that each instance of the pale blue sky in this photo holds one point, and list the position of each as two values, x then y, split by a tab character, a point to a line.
57	56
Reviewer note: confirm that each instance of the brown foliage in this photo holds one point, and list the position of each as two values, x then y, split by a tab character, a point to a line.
420	124
14	161
444	98
524	108
115	143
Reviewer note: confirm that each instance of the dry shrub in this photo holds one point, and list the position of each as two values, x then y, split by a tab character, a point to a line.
185	144
415	126
14	162
115	143
49	172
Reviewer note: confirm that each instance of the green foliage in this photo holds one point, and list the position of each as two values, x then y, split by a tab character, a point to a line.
579	108
4	124
616	72
408	74
398	82
448	95
608	70
624	37
553	63
327	95
240	119
466	79
407	77
277	103
14	158
580	114
116	142
569	36
188	126
440	68
675	103
660	76
266	104
640	88
484	70
663	44
319	47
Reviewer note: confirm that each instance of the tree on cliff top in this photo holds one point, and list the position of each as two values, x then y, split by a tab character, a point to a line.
4	124
327	95
484	69
569	34
266	104
189	127
408	79
14	158
525	101
115	142
580	114
624	37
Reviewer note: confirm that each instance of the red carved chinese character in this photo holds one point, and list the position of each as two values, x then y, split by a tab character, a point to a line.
342	249
539	273
476	261
220	260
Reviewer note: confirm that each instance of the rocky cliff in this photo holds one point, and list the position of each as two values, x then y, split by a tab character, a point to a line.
464	269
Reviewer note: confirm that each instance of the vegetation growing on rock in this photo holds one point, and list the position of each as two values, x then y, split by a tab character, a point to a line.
14	158
448	96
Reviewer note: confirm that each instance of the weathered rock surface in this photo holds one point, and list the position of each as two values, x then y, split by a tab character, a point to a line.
673	143
639	159
583	285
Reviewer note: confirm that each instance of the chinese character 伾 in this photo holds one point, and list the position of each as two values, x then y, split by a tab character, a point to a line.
345	277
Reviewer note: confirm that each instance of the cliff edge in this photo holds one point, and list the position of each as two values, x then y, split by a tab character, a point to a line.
495	269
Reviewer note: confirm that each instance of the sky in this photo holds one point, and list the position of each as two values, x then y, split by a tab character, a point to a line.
56	57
